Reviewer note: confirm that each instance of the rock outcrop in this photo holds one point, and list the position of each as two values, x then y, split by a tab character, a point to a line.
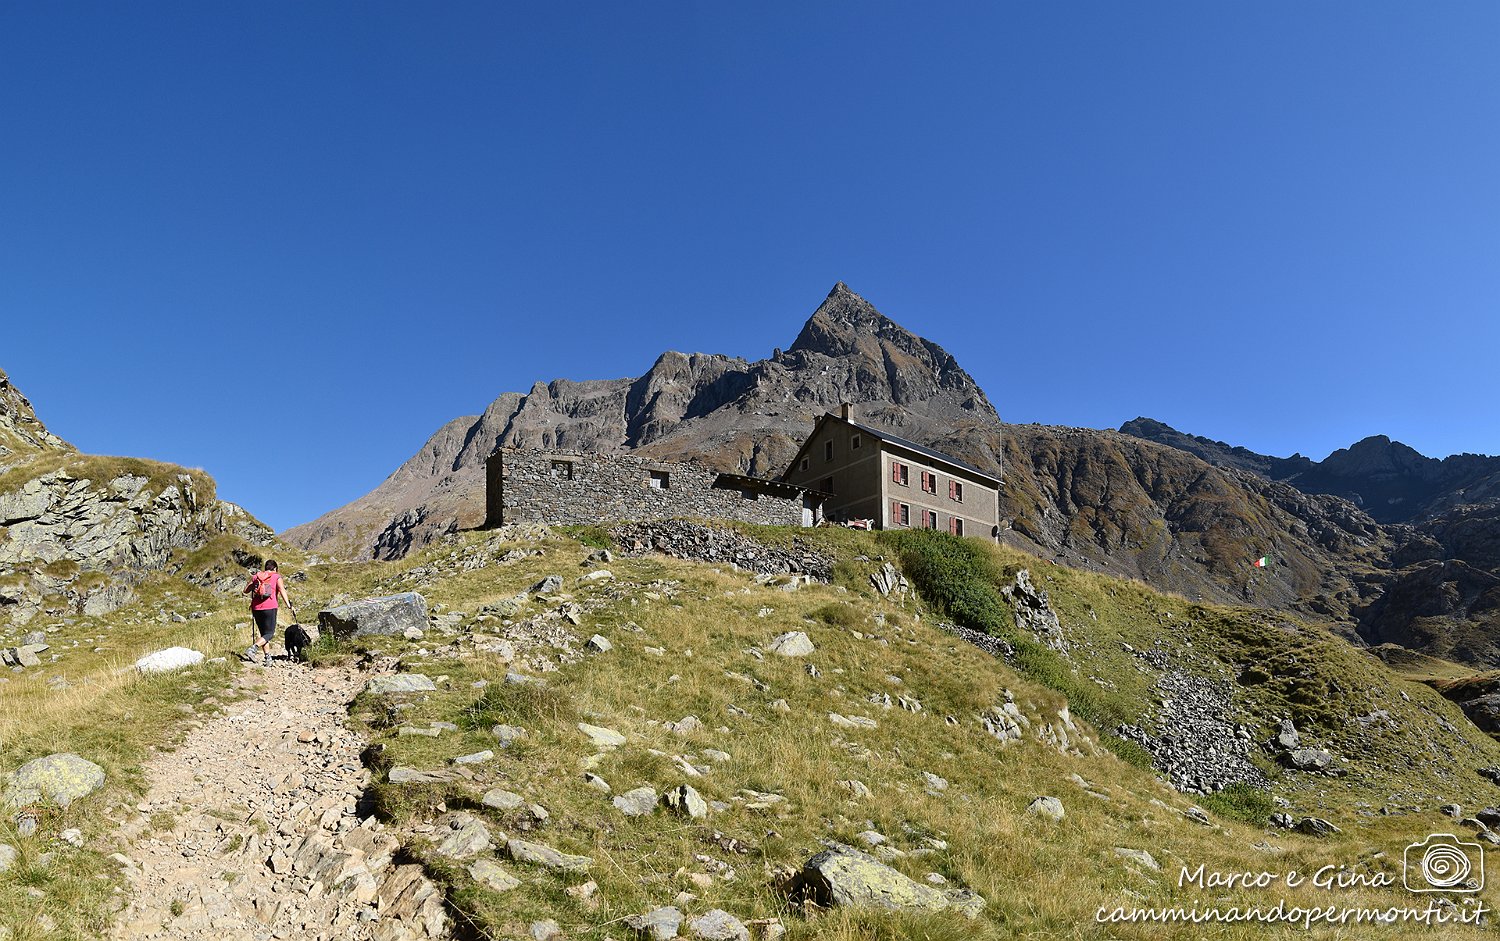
67	518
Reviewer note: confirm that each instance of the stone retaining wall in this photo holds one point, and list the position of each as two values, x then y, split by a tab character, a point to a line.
567	488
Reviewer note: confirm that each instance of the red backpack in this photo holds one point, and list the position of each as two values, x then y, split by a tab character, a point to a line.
258	592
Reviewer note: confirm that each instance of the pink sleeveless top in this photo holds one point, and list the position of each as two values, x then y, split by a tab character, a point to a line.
270	583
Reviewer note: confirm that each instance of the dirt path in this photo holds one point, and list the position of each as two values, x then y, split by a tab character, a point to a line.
251	829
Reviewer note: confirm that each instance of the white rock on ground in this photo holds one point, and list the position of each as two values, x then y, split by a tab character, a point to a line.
172	658
791	644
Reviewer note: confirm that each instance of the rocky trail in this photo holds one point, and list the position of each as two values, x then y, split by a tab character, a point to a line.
252	829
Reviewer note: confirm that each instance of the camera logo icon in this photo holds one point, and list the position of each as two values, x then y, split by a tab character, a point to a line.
1443	863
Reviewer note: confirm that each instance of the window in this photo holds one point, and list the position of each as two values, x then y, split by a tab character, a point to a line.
827	450
562	470
956	526
827	485
955	491
661	480
900	473
900	514
803	465
750	494
854	445
929	519
929	482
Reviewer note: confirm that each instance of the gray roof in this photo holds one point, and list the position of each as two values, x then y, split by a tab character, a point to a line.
921	449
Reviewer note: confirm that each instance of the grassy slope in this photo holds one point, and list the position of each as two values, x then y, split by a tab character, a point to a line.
1041	879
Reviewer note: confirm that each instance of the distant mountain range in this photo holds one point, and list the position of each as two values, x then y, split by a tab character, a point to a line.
1377	540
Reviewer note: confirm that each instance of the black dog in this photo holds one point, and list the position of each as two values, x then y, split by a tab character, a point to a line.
297	641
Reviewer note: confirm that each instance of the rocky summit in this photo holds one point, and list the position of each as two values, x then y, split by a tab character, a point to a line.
726	412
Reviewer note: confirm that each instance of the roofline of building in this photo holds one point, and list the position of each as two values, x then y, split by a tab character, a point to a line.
897	441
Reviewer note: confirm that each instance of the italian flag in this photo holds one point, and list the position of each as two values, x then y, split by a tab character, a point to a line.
1260	563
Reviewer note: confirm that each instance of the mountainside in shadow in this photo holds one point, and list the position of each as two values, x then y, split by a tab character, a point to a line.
1440	592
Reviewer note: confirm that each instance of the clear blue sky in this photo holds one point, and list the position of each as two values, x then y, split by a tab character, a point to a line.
1277	224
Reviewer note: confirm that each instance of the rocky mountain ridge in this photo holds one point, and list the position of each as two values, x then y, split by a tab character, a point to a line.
726	412
78	531
1439	522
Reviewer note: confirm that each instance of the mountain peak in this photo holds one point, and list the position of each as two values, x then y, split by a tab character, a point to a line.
20	429
842	321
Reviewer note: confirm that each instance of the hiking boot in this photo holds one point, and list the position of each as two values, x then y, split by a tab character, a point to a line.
250	653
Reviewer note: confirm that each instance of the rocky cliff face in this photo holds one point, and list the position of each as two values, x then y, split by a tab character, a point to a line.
21	432
77	531
724	411
1438	590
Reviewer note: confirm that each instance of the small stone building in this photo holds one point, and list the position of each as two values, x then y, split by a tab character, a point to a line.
874	475
564	487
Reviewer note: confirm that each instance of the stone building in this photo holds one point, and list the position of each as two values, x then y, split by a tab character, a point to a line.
873	475
575	488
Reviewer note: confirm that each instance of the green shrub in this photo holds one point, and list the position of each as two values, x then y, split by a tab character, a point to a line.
1240	802
593	535
838	614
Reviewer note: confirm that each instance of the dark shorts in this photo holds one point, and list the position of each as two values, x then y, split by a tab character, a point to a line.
265	622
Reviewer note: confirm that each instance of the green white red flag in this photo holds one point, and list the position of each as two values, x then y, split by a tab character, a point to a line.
1260	563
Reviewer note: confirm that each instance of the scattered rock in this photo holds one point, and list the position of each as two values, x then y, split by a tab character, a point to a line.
60	779
465	835
685	801
602	737
501	799
599	644
545	856
547	586
1046	807
506	735
492	875
636	803
718	925
390	615
1316	826
843	876
172	658
478	757
791	644
659	924
400	683
1140	857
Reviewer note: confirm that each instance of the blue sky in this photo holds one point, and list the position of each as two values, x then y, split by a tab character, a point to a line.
286	241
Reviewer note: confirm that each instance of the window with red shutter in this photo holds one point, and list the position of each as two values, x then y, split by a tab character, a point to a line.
895	513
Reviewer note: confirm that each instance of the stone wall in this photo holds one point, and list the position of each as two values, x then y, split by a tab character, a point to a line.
566	488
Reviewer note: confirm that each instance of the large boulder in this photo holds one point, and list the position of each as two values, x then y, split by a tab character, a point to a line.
390	615
400	683
172	658
60	779
847	877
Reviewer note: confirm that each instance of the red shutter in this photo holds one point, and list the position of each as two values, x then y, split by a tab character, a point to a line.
896	471
895	513
953	526
952	493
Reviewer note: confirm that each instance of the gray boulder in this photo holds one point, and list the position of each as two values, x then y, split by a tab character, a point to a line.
685	801
547	586
390	615
524	851
1308	759
844	876
60	779
636	803
791	644
399	683
659	924
718	925
1046	807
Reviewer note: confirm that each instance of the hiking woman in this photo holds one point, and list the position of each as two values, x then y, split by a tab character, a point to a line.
265	588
